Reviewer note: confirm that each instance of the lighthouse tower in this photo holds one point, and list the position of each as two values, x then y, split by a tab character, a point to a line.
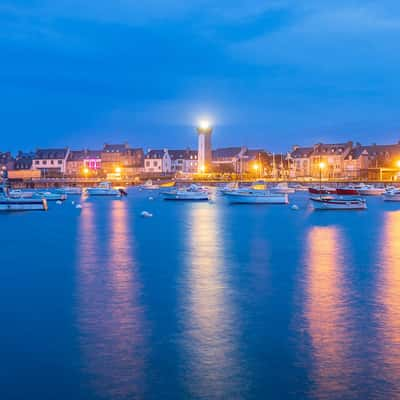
204	158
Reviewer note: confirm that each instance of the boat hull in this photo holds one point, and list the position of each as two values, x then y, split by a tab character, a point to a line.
103	192
338	204
321	191
392	197
371	192
347	192
23	205
257	198
185	196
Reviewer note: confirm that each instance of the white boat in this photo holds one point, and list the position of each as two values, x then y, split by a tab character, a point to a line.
149	185
192	193
73	190
282	187
229	187
20	204
251	196
20	194
104	189
50	196
335	203
392	195
300	188
370	190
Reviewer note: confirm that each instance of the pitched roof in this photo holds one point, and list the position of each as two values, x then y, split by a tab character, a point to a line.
51	154
335	148
186	154
155	154
226	152
80	155
115	148
301	152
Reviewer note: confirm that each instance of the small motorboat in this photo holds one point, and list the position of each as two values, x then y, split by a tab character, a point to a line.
251	196
321	190
149	185
392	195
229	187
283	188
300	188
20	194
104	189
8	203
335	203
72	190
50	196
370	190
192	193
349	190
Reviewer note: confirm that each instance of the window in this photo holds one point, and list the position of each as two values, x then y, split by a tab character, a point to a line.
52	162
44	162
59	162
155	163
37	162
147	163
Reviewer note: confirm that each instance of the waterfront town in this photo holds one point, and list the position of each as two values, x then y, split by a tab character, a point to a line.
121	161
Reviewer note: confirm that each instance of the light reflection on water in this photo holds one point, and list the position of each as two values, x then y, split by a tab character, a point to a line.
209	332
111	320
388	304
326	314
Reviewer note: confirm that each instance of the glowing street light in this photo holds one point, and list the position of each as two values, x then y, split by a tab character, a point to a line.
398	163
85	171
118	170
321	165
202	169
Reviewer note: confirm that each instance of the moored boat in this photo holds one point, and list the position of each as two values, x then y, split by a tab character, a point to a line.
392	195
104	189
72	190
370	190
192	193
50	196
334	203
321	190
282	187
18	194
252	196
149	185
349	190
20	204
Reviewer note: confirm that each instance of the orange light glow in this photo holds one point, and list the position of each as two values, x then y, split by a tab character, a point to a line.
321	165
85	171
118	170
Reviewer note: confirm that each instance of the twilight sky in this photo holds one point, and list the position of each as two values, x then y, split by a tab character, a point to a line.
268	73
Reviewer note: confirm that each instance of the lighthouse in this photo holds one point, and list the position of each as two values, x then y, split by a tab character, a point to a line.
204	158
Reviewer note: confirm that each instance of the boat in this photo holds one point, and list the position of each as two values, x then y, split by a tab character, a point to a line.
392	195
104	189
18	194
191	193
370	190
322	190
229	187
50	196
251	196
300	188
349	190
149	185
8	203
282	187
72	190
335	203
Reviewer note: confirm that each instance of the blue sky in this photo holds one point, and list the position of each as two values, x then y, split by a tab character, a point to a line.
268	73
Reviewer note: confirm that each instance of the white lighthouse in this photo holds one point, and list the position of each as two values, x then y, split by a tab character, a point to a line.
204	158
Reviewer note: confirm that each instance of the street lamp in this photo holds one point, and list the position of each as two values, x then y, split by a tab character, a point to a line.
118	170
321	166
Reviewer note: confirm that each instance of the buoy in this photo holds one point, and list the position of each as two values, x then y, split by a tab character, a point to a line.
146	214
151	198
78	206
72	202
295	207
59	202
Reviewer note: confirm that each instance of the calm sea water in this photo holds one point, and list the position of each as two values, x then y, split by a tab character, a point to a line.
202	301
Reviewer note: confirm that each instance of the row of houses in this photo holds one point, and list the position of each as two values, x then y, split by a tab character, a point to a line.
122	160
344	161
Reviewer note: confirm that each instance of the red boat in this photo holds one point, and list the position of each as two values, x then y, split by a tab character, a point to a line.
322	190
347	191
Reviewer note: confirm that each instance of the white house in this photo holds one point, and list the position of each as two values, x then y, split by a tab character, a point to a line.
51	162
157	161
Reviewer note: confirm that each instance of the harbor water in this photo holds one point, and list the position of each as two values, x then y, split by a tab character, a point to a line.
204	300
